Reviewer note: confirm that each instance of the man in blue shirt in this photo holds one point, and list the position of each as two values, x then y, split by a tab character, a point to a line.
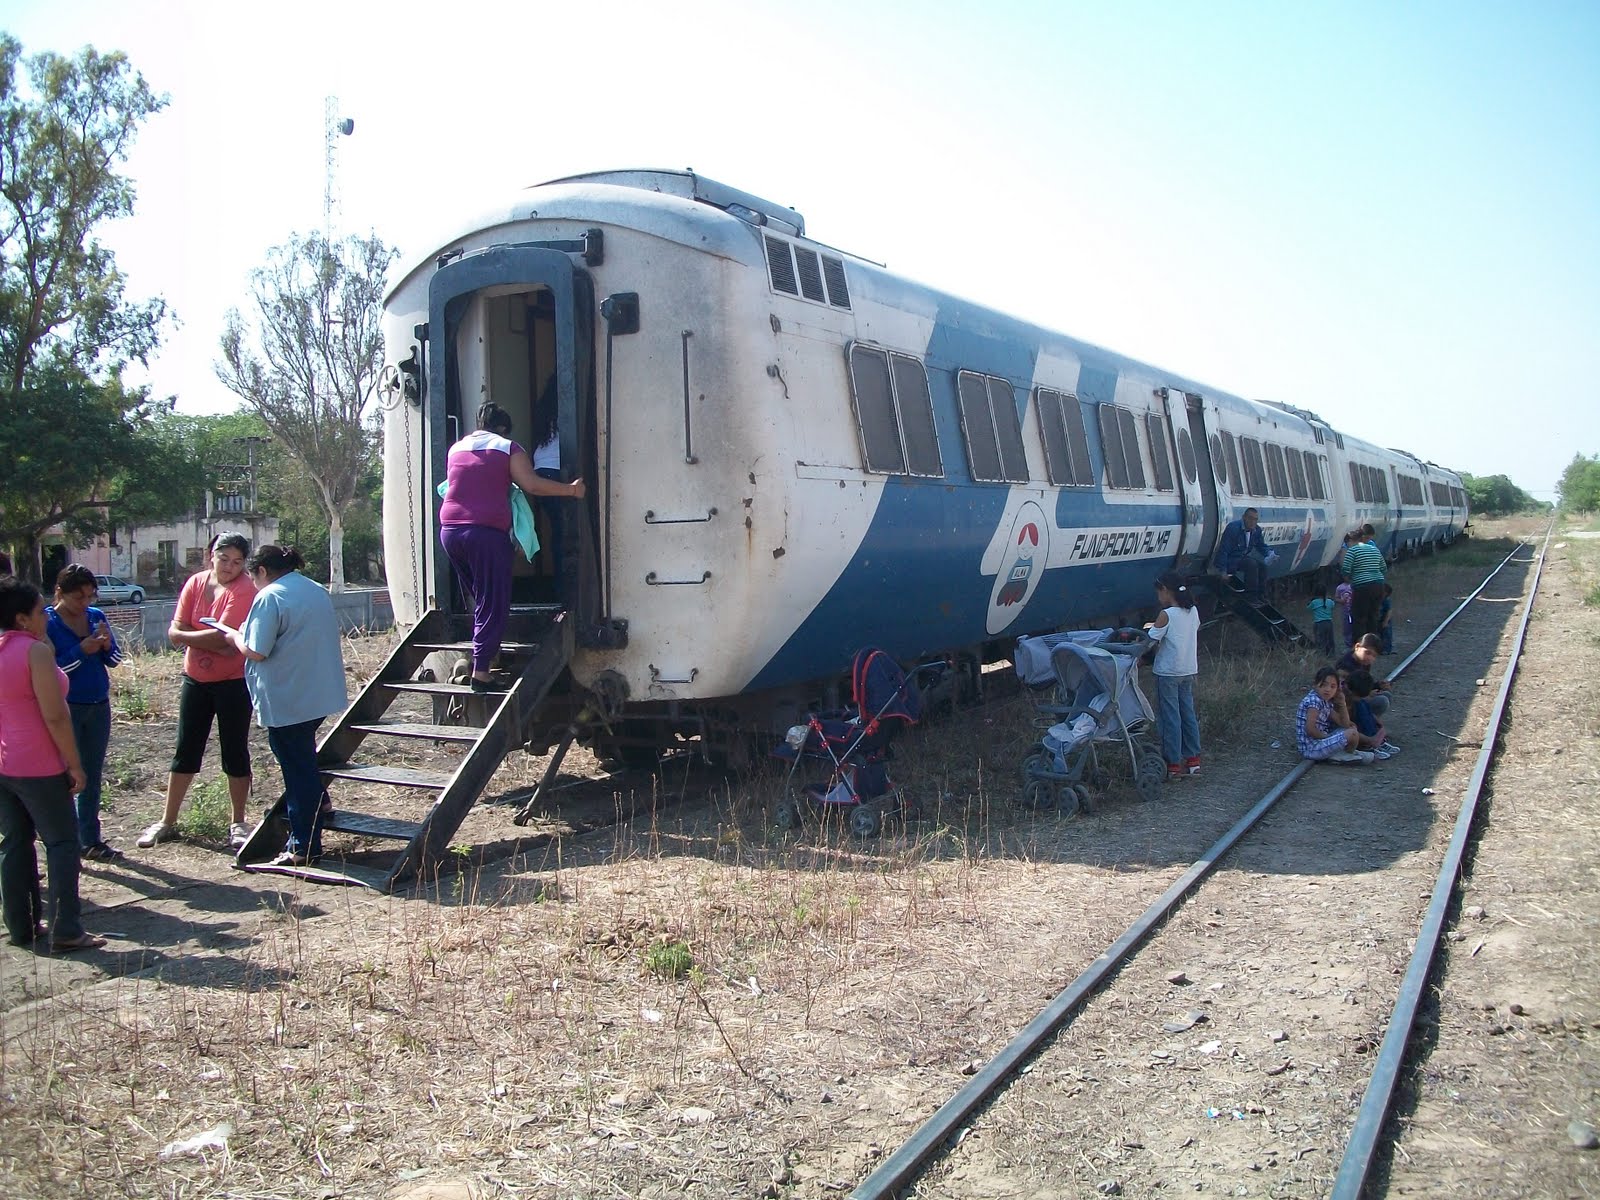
1243	552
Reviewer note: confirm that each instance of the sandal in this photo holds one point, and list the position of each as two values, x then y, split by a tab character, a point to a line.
290	859
101	852
84	941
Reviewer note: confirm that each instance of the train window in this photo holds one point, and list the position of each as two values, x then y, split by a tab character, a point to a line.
1130	447
810	274
1254	472
1358	481
989	421
1381	479
894	413
1314	476
780	266
1159	458
916	417
1277	479
1066	448
1111	447
1219	465
1186	458
838	290
1297	474
1235	477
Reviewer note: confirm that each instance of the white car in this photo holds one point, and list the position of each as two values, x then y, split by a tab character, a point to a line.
117	591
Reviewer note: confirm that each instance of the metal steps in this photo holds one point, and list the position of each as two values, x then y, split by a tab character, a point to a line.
1260	615
495	722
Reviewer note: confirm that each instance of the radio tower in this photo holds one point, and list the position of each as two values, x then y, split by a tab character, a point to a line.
333	127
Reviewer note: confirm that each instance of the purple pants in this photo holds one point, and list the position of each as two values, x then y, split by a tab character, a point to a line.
482	560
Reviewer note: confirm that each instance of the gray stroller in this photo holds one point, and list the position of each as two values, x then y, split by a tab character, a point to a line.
1096	706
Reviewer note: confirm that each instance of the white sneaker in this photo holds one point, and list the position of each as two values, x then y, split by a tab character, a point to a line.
238	835
1392	748
1345	756
159	832
1366	757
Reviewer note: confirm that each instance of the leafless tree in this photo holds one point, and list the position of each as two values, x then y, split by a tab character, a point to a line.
307	359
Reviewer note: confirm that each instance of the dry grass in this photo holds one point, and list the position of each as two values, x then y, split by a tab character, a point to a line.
518	1026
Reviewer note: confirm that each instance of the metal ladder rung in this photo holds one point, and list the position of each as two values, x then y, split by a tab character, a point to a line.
398	776
343	821
414	729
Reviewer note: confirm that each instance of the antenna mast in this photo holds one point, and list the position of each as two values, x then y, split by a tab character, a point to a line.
333	125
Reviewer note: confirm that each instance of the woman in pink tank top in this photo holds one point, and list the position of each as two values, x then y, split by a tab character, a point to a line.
39	772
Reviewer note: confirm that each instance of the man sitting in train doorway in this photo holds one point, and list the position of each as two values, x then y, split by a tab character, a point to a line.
1243	552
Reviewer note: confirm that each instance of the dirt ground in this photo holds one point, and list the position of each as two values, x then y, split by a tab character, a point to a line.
685	1002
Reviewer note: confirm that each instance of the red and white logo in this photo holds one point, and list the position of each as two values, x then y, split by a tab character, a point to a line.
1024	556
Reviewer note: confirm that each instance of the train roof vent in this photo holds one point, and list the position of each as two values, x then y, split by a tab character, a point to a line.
810	274
690	186
780	265
838	290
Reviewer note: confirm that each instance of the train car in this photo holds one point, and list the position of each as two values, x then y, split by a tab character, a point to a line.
793	452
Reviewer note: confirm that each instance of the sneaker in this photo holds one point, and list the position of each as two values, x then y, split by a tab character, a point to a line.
1392	747
1349	756
100	852
1381	753
1366	757
156	834
1174	771
238	835
1191	766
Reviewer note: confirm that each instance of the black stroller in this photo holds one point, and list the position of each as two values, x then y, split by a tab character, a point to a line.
854	745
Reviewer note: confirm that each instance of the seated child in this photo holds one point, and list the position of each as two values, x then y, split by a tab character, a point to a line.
1386	615
1345	597
1322	620
1363	656
1315	733
1361	688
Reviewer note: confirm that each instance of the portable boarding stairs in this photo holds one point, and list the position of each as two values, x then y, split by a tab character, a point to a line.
539	644
1259	614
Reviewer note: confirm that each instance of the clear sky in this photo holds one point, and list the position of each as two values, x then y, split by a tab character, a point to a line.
1387	213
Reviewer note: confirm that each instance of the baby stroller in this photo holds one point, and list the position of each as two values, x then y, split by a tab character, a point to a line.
854	744
1096	705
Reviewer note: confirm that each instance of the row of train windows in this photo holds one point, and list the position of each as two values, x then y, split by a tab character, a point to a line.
898	437
1269	469
1369	484
1447	495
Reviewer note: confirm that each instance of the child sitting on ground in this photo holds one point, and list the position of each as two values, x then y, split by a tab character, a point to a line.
1315	733
1363	656
1386	619
1322	619
1345	597
1360	688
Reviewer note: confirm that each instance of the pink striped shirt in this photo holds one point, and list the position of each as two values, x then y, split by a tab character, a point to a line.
27	751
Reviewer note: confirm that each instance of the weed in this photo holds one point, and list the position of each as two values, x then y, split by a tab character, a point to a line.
669	959
205	818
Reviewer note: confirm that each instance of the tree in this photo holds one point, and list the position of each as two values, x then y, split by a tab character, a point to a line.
1496	495
68	425
1579	488
309	361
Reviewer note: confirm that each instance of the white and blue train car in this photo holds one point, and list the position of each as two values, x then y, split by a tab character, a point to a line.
793	452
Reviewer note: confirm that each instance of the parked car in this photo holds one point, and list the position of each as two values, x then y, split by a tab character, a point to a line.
117	591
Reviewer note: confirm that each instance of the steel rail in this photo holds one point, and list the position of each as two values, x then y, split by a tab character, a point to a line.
901	1166
1362	1146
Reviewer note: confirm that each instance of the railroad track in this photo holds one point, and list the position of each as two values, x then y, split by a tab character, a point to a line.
933	1145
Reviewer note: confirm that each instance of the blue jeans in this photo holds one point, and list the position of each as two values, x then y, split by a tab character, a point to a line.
43	806
295	748
91	727
1180	729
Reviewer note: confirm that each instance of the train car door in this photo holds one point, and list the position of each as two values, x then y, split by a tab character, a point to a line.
503	323
1197	481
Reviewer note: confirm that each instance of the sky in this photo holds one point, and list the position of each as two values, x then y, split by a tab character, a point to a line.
1386	213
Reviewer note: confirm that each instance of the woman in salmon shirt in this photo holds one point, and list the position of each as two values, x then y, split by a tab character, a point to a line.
213	686
39	772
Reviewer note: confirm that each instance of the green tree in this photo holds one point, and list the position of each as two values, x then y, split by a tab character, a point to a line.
68	425
1579	489
308	360
1496	495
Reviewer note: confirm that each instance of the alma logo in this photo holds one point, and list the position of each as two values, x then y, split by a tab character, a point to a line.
1027	550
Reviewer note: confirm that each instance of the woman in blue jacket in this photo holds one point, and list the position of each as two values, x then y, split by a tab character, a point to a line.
85	647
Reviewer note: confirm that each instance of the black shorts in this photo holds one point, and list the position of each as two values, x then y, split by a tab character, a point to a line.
227	701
